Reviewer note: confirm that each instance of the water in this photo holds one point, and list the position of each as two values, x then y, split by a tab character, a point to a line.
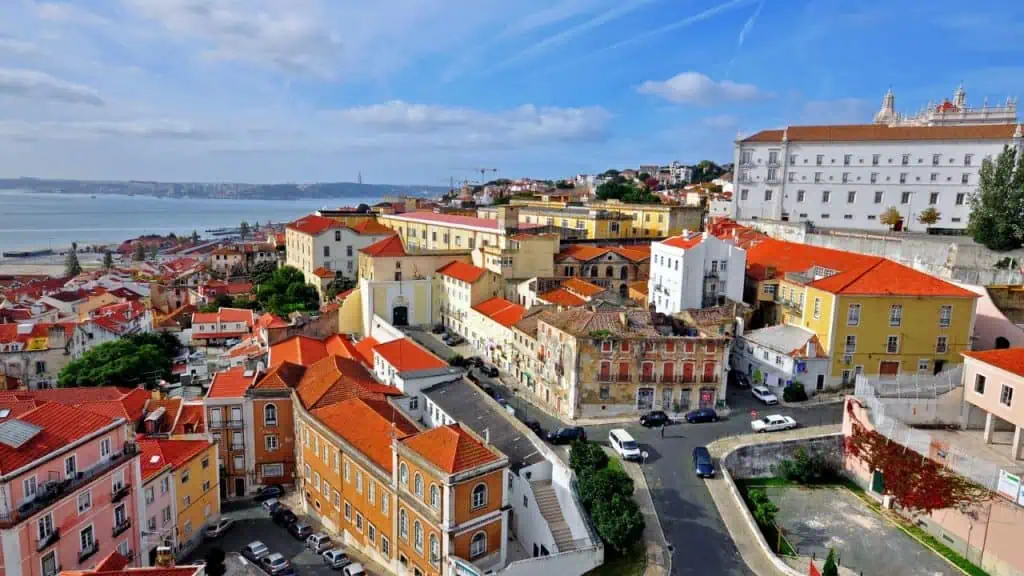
31	220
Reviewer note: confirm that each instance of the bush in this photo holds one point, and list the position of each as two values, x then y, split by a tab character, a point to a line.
806	468
135	359
794	393
602	485
830	568
619	522
457	361
762	508
587	457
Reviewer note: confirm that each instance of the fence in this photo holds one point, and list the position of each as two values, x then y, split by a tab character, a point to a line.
911	385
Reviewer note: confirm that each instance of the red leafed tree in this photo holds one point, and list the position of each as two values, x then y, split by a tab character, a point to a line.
917	483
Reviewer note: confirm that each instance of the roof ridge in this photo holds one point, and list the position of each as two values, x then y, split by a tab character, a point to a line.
859	275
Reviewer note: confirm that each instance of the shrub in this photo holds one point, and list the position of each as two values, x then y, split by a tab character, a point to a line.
794	393
457	361
586	457
619	522
602	485
806	468
830	568
762	508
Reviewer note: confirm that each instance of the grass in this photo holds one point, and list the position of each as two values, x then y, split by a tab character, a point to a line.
631	564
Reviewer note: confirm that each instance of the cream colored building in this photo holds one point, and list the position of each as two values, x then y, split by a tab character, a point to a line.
433	231
462	286
322	247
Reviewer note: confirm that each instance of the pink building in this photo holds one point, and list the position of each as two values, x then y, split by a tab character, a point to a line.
69	493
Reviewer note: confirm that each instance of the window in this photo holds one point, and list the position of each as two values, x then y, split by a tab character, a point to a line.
84	501
846	177
403	524
316	481
417	537
348	249
896	315
846	159
874	177
819	159
239	462
874	159
371	533
933	198
905	160
70	467
186	501
327	251
905	198
347	472
327	487
903	177
435	550
743	194
359	481
151	524
967	159
165	485
965	178
385	546
933	177
359	522
45	526
348	511
479	496
337	500
435	497
945	316
478	545
792	158
892	344
942	344
817	308
800	195
1006	395
403	474
272	470
165	515
767	195
826	196
30	486
851	197
105	447
372	492
960	197
270	442
308	472
417	484
979	384
49	564
853	315
270	415
817	177
86	539
385	504
205	462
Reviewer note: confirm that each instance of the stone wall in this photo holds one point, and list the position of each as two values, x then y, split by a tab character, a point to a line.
760	460
320	327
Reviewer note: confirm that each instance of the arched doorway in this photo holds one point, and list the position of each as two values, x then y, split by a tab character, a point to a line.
400	311
624	290
1002	343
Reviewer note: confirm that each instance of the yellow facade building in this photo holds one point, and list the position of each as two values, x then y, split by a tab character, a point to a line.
610	219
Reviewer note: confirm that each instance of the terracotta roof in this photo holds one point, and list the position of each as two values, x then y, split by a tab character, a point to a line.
299	349
269	320
322	272
501	311
314	225
193	415
586	253
462	271
59	426
791	257
9	333
453	219
130	406
407	356
1009	359
872	132
683	241
364	350
283	376
561	297
365	428
231	383
341	345
371	227
224	315
113	561
390	247
451	448
335	379
171	408
884	277
582	287
160	452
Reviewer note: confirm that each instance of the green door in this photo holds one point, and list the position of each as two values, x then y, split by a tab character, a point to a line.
877	482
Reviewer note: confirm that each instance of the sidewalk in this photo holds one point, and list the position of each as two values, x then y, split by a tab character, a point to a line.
659	559
730	505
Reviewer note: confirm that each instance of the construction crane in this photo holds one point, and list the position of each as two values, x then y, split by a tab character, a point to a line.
483	173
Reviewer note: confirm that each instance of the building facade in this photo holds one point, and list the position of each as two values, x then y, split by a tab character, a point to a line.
319	243
695	270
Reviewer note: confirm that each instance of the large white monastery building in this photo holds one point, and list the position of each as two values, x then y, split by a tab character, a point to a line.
845	176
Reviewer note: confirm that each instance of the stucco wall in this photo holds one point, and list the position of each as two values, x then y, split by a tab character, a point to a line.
760	460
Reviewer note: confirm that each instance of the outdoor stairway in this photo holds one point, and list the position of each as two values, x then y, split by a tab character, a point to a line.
547	501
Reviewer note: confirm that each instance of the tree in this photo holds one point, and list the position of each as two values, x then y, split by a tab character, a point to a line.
564	185
600	485
610	173
619	522
929	216
764	510
794	392
243	229
220	301
643	176
758	377
108	260
71	266
237	269
619	189
830	568
706	171
339	285
138	252
195	237
286	291
135	359
586	457
215	562
891	217
808	469
363	208
997	208
262	272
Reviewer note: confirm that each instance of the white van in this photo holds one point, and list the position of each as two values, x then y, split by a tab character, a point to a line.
623	444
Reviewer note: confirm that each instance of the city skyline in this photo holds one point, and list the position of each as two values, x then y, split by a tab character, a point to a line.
304	91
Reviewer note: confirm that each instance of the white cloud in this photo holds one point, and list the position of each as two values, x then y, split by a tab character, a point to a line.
91	130
66	12
720	121
697	88
36	85
548	16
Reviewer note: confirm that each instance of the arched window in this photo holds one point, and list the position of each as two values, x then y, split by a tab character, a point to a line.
417	484
403	474
624	273
609	272
478	545
435	550
593	271
435	496
417	536
270	415
403	524
479	496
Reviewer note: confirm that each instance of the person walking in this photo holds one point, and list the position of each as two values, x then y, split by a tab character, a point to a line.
663	429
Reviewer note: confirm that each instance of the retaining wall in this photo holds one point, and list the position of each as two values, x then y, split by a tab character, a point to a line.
760	460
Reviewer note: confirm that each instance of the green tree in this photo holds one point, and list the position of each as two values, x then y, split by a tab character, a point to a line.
619	522
339	285
215	562
564	185
138	252
600	485
997	208
619	189
108	260
763	509
706	171
806	468
831	568
610	173
140	358
891	217
286	291
243	229
262	272
220	301
71	266
195	237
929	216
585	457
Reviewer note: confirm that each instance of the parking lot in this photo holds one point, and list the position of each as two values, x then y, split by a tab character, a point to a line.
253	523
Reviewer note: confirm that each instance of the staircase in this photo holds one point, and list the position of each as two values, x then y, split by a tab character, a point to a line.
547	501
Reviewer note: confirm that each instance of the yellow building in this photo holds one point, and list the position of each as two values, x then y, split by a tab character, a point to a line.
607	219
571	222
871	315
524	256
434	231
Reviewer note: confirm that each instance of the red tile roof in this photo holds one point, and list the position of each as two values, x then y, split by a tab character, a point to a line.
59	425
191	419
885	277
684	241
113	561
1009	359
299	349
314	225
791	257
462	271
322	272
561	297
582	287
390	247
371	227
874	132
224	315
335	379
586	253
231	383
341	345
451	448
364	350
407	356
366	429
283	376
269	320
501	311
171	408
130	406
162	452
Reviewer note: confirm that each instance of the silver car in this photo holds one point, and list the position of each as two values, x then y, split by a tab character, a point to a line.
336	558
319	542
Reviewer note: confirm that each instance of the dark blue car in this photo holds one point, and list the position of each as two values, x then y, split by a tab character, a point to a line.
703	465
702	415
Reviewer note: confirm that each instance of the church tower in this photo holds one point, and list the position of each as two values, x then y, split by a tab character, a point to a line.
960	98
887	114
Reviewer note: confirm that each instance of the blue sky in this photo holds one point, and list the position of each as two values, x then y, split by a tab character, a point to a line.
417	91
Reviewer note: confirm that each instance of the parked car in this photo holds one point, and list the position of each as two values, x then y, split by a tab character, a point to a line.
702	415
490	370
300	530
623	444
268	492
654	418
703	465
255	550
275	563
336	558
567	435
535	426
475	361
219	527
453	339
765	395
354	570
438	329
271	505
319	542
773	423
282	516
742	380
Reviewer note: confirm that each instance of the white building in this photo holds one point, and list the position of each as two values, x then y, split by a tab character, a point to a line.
320	246
845	176
694	270
681	174
777	356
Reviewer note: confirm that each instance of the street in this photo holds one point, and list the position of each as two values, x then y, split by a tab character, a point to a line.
695	533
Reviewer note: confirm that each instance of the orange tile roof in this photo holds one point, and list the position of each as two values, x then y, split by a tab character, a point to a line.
582	287
462	271
113	561
634	252
335	379
322	272
269	320
59	425
341	345
158	453
299	349
371	227
1009	359
224	315
561	297
390	247
171	408
684	242
872	132
407	356
283	376
885	277
314	225
581	252
130	406
366	429
231	383
501	311
192	415
364	349
792	257
451	448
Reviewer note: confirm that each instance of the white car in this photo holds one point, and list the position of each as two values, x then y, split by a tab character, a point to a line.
624	444
354	570
773	423
219	527
764	395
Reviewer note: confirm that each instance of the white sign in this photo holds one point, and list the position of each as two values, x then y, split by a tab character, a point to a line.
1009	484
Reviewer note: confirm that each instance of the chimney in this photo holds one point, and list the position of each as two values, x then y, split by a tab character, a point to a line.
769	272
487	435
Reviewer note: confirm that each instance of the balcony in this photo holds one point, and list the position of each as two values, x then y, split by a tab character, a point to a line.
623	378
118	494
603	377
87	553
676	379
52	492
121	526
49	540
648	378
706	379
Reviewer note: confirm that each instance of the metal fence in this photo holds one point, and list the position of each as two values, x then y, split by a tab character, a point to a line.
911	385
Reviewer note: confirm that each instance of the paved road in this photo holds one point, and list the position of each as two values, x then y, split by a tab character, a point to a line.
698	537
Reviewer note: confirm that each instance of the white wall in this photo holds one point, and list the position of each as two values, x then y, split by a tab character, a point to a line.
406	289
680	273
382	331
530	526
775	375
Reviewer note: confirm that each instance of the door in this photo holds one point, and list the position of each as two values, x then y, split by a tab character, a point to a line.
666	399
939	365
688	372
648	372
890	368
709	372
821	382
668	372
645	398
239	487
400	316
